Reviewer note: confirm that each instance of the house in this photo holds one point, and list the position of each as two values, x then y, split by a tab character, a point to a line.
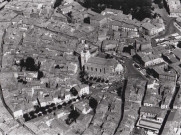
103	34
109	45
58	16
151	99
66	8
77	17
142	45
122	26
162	75
158	23
152	113
169	57
17	114
17	107
80	90
108	127
72	67
82	107
31	76
148	60
98	20
152	27
168	77
67	96
44	99
167	91
149	29
132	34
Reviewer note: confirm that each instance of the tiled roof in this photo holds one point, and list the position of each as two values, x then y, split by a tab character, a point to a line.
102	61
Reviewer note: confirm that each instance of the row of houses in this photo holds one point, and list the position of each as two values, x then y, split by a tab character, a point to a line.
41	96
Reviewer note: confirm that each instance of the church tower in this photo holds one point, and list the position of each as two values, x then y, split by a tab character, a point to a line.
85	55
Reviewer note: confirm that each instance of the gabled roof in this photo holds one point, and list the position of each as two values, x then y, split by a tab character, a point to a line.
102	61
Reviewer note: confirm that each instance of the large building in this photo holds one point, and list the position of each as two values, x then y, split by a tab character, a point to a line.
148	60
162	75
100	67
152	27
151	118
109	45
103	68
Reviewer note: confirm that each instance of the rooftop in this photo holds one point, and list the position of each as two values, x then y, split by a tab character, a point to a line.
102	61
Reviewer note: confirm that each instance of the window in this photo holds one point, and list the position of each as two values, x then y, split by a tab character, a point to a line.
87	68
96	69
104	71
91	68
100	70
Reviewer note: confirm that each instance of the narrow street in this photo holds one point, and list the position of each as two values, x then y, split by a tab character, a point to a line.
122	105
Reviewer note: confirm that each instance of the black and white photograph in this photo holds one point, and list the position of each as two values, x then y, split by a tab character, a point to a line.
90	67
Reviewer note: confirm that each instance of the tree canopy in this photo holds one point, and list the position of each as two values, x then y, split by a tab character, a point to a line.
139	9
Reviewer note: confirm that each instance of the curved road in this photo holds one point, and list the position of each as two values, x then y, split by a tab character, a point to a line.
170	28
132	71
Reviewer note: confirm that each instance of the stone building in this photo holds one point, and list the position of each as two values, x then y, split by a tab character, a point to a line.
102	68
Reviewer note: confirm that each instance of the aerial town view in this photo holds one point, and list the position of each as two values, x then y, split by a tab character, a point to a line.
90	67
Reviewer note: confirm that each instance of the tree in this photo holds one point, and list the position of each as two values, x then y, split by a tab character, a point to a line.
57	3
22	64
179	44
40	74
30	64
93	103
143	13
158	1
72	116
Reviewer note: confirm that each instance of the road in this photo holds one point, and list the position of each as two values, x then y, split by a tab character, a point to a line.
132	71
170	28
